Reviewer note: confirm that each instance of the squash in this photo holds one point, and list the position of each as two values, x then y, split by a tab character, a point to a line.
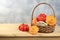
41	17
33	30
51	20
34	21
41	23
23	27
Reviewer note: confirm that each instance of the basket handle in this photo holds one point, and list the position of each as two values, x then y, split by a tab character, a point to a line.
37	6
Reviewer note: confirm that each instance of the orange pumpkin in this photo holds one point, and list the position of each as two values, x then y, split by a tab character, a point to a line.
51	20
34	21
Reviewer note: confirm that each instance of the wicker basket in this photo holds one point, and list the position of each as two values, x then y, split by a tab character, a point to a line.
46	29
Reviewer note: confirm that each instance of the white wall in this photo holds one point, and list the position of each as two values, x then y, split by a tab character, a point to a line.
19	11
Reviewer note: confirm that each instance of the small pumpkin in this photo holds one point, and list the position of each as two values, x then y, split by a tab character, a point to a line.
33	30
41	17
23	27
34	21
51	20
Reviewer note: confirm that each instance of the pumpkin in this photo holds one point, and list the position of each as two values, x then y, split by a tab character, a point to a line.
34	21
51	20
33	30
41	17
23	27
41	23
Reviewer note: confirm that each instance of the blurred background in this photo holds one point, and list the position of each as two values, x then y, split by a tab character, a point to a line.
19	11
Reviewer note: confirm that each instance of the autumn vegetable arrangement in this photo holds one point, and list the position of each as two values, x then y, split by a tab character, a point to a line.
41	24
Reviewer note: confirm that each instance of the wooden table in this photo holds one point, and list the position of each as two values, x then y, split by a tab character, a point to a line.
11	31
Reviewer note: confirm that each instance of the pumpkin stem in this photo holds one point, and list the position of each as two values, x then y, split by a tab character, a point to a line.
23	23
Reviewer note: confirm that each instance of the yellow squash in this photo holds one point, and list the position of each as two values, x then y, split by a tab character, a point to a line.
33	30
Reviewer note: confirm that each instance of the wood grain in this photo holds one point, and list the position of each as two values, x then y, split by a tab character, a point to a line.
11	30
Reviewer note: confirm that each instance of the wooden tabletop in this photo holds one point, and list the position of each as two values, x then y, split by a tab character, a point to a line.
11	30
